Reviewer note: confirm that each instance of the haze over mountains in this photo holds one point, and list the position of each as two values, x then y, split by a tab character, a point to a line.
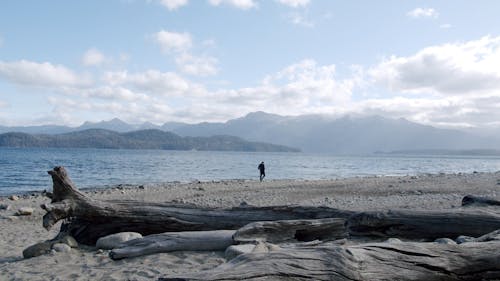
310	133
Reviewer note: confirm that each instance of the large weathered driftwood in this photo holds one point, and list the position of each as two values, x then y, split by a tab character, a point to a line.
215	240
90	219
376	261
270	231
423	224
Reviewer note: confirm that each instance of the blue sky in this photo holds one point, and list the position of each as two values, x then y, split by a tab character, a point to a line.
66	62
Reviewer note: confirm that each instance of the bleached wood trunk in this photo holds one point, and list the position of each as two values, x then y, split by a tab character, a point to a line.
215	240
90	219
273	231
366	262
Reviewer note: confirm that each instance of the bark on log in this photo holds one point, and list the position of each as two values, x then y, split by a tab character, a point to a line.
471	200
292	230
216	240
376	261
423	224
89	219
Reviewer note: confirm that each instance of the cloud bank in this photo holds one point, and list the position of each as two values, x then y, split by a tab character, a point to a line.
451	85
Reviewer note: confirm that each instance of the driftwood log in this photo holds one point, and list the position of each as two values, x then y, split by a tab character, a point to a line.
412	224
366	262
289	231
88	219
215	240
471	200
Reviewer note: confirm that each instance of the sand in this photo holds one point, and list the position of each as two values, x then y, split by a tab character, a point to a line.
427	191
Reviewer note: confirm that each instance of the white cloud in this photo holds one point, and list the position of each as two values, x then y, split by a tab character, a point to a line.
178	45
173	4
198	66
3	104
450	85
112	93
301	88
240	4
445	26
155	83
294	3
450	112
469	68
300	19
173	41
28	73
423	13
93	57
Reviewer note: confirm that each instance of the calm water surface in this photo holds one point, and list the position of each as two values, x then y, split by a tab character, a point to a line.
24	169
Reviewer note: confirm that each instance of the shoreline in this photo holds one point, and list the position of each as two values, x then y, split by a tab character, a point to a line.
26	193
429	192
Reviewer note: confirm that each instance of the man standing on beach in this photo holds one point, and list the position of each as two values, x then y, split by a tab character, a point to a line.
262	170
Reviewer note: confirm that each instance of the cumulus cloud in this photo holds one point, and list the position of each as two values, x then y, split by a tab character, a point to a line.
154	83
173	4
450	112
469	68
173	41
179	46
240	4
93	57
302	88
112	93
198	66
28	73
294	3
423	13
449	85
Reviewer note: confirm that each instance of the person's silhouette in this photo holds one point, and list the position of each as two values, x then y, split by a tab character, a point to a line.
262	170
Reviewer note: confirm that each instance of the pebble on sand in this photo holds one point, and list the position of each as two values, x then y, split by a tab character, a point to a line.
112	241
25	211
5	207
61	247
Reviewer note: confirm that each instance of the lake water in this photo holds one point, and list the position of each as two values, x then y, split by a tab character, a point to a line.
24	169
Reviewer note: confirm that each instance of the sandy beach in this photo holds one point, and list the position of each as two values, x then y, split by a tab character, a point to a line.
430	191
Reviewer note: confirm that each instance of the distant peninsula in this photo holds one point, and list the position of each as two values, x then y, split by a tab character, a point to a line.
141	139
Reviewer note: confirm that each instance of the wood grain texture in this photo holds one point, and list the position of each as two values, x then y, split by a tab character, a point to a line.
366	262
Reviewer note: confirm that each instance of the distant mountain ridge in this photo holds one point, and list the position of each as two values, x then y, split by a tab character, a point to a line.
311	133
345	135
143	139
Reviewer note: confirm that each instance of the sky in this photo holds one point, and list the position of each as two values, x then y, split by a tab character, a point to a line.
432	62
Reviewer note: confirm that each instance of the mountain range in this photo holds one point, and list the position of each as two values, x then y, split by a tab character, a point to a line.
142	139
310	133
